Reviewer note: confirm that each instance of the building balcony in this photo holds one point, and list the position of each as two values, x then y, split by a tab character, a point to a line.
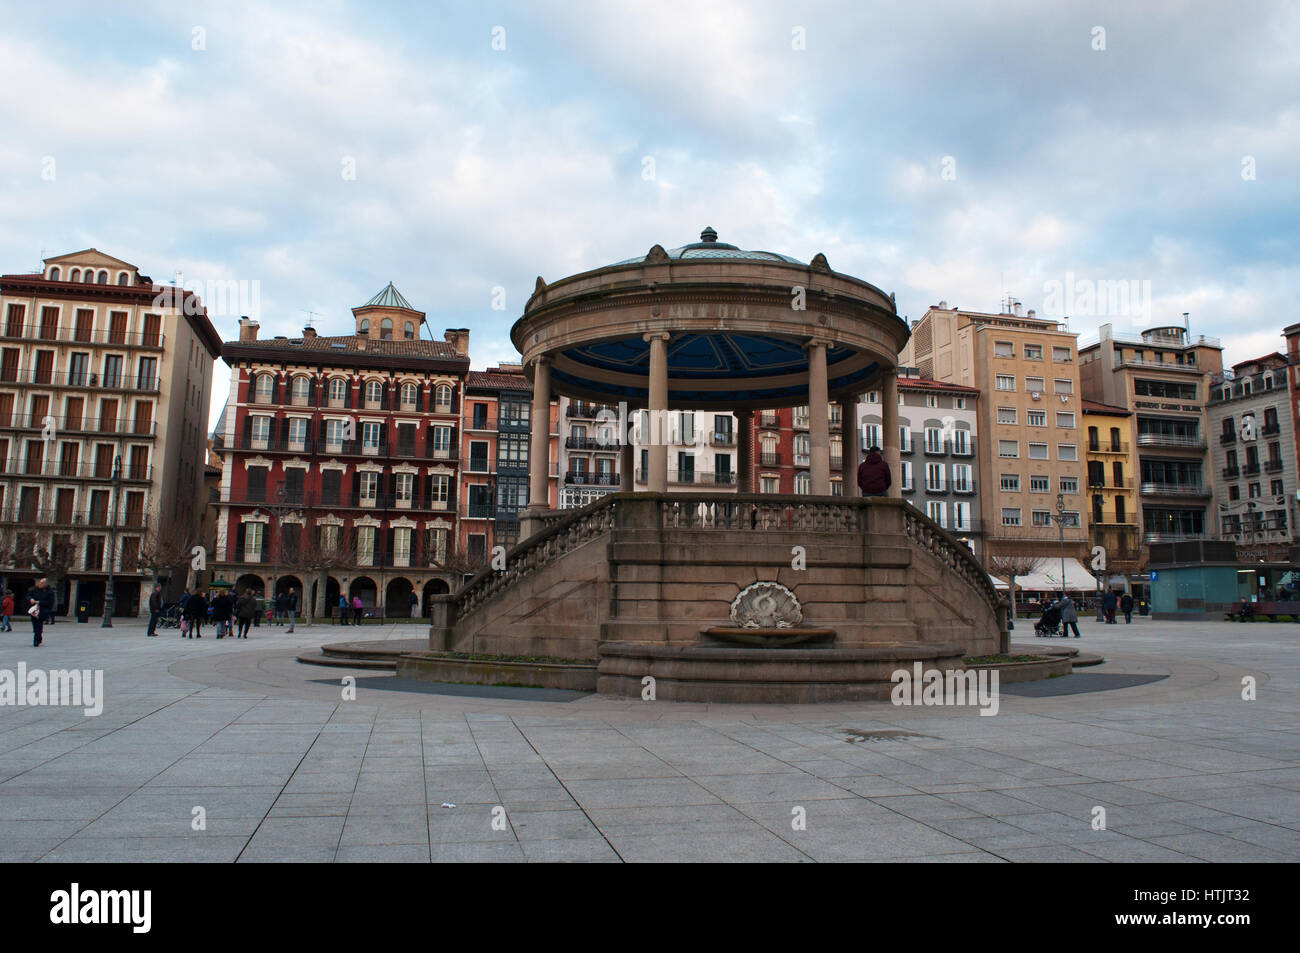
58	470
85	425
939	449
73	335
1171	441
74	519
908	486
1111	447
722	439
1126	484
962	489
701	478
1229	437
837	463
609	445
1174	489
1250	469
769	459
1272	466
1144	363
586	478
769	421
1269	430
967	450
1230	473
1158	537
84	380
582	410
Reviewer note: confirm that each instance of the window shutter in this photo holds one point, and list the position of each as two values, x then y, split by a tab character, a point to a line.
284	432
383	436
383	396
388	552
307	434
248	430
266	540
428	397
275	388
347	392
428	491
239	544
356	488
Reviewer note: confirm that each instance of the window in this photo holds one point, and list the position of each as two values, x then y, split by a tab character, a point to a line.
1069	485
1040	484
1004	349
931	400
1008	448
1038	451
403	484
1067	451
365	545
802	484
409	394
961	442
1033	352
386	329
1011	516
365	326
1037	418
1040	517
1275	488
961	477
1010	482
1035	385
253	535
1061	386
1061	355
934	509
337	390
1254	491
262	388
297	433
906	467
1064	420
54	274
959	403
410	330
802	449
933	440
1006	415
301	388
768	485
368	484
1006	382
401	546
374	393
1234	492
961	516
260	429
870	436
442	399
442	442
934	477
1170	389
370	437
334	430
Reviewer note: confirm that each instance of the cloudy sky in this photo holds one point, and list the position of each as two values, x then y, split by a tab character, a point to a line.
962	152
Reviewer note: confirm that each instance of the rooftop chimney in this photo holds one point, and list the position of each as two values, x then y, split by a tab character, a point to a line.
459	339
943	305
1016	306
308	333
1032	312
247	328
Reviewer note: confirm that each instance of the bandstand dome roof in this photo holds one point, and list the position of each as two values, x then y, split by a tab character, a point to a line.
738	326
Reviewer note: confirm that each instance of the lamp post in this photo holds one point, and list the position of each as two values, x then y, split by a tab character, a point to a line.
110	593
277	511
1059	519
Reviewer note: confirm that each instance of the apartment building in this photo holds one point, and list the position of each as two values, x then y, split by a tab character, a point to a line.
938	450
702	451
340	460
588	454
783	450
1113	514
105	382
1250	419
1028	433
497	427
1162	376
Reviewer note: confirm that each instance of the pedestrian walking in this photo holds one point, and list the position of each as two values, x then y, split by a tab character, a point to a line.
196	610
415	604
6	611
874	477
223	608
155	610
1109	603
277	617
1069	617
291	607
1126	606
358	607
245	611
40	601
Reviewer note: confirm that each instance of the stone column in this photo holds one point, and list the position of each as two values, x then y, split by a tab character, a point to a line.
626	462
744	451
889	431
851	440
818	423
657	478
539	453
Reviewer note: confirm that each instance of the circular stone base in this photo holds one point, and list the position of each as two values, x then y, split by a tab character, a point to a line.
769	638
707	673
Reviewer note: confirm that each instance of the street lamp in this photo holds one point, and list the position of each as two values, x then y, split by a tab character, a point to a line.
1059	518
110	594
277	510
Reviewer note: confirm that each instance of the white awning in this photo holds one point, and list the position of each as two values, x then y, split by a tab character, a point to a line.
1048	577
997	583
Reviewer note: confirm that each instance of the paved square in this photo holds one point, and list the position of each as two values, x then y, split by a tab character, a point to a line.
265	751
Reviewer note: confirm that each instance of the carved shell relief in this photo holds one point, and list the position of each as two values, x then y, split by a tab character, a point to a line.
766	605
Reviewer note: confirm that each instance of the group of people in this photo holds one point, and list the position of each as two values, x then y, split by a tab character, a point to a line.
1111	602
231	613
39	607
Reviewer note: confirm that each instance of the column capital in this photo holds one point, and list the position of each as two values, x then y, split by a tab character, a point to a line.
543	359
818	342
744	414
655	336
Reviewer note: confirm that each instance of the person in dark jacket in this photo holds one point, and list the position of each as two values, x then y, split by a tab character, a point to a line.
291	607
1069	617
1126	606
155	609
223	607
874	477
1109	603
196	610
245	609
42	596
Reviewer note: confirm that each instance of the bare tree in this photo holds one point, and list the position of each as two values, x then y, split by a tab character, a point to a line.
55	561
1008	566
317	556
167	549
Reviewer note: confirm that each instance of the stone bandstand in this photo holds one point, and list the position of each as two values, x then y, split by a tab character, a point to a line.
724	597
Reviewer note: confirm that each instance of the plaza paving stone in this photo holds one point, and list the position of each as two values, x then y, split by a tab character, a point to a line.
287	770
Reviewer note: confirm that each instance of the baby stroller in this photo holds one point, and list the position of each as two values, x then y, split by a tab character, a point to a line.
1049	623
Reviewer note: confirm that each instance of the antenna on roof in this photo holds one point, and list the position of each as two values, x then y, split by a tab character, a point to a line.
311	315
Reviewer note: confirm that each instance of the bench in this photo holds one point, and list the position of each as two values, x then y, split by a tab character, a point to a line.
1266	610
